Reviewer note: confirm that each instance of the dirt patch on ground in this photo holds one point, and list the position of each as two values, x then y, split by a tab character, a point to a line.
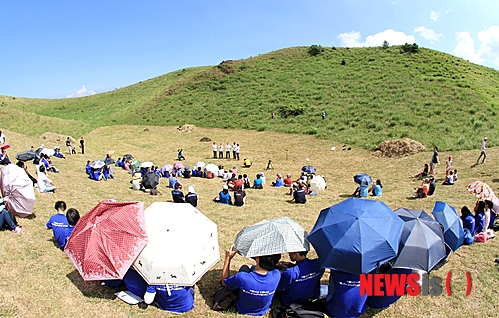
186	128
55	138
205	139
398	148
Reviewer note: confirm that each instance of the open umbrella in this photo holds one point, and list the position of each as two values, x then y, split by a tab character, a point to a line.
453	228
146	164
167	167
199	164
47	151
318	184
97	164
481	190
16	184
308	169
107	240
269	237
127	157
362	179
356	235
25	156
109	161
183	245
421	243
135	164
178	165
4	146
211	168
150	180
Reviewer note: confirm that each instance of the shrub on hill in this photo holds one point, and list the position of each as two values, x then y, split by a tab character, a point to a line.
287	111
314	50
410	48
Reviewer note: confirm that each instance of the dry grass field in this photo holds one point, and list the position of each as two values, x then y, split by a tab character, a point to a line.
38	280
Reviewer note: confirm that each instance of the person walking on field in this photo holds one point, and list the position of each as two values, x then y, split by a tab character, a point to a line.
482	151
434	161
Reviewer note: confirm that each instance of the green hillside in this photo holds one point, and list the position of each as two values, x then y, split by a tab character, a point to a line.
369	94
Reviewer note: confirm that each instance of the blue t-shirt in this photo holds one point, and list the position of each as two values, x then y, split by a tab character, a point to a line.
96	174
279	182
59	224
255	291
257	183
469	223
479	223
301	282
88	169
385	301
224	197
180	300
377	190
363	191
344	300
58	155
135	283
172	182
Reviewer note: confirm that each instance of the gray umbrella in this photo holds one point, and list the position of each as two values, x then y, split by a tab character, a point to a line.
269	237
97	164
422	244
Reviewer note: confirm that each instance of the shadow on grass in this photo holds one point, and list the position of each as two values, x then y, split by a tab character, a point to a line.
93	288
495	180
209	284
345	195
372	312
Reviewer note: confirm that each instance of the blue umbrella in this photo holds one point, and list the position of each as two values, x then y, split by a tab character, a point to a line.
356	235
308	169
453	229
362	179
422	244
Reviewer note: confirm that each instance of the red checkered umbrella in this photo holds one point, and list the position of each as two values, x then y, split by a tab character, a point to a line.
107	240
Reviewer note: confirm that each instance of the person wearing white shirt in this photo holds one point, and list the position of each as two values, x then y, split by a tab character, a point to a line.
214	147
238	148
44	183
227	151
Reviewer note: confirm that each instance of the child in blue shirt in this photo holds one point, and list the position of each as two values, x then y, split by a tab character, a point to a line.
172	298
58	223
344	300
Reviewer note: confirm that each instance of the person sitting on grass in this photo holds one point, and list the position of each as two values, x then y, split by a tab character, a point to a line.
58	154
191	196
449	179
58	223
288	182
386	300
301	280
4	158
171	298
239	197
224	196
344	299
21	164
239	182
422	191
177	194
433	186
247	182
258	183
361	191
299	196
256	287
247	163
422	174
45	185
279	181
88	168
6	219
455	175
377	189
468	220
480	217
48	164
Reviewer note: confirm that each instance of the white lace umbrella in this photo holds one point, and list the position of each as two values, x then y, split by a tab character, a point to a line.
183	245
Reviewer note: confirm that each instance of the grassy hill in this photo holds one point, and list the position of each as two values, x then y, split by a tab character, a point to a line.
369	94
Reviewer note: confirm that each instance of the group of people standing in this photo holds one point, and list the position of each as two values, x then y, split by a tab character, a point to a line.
218	151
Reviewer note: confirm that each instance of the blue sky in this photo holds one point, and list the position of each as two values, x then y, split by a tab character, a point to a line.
58	49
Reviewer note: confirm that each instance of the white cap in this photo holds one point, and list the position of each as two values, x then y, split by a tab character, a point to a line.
226	187
190	189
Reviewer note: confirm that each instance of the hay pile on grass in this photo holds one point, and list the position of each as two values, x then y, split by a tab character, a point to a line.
205	139
50	137
186	128
398	148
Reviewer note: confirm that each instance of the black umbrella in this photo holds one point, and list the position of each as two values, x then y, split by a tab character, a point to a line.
127	157
109	161
422	244
150	180
25	156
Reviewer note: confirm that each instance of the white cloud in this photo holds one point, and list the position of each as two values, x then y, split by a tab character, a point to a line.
353	39
489	46
434	15
81	92
428	34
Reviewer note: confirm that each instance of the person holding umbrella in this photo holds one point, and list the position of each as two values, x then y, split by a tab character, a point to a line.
256	287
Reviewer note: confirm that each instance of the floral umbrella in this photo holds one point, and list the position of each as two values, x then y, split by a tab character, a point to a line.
481	190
